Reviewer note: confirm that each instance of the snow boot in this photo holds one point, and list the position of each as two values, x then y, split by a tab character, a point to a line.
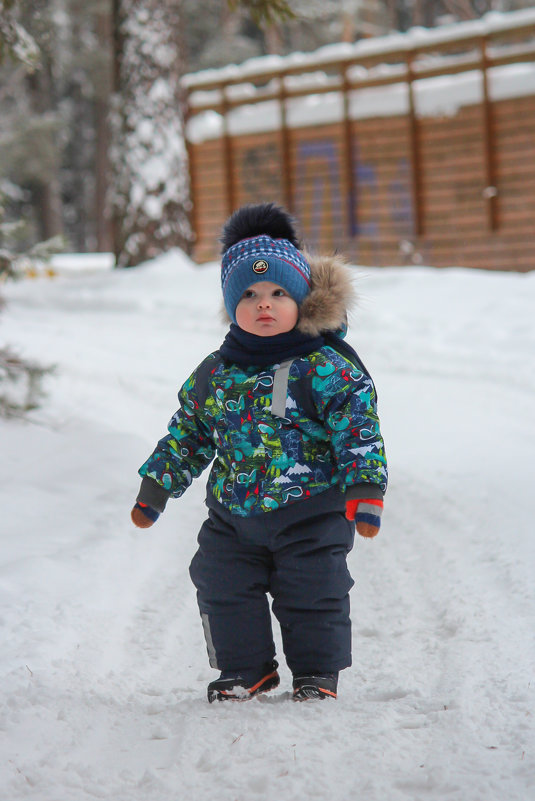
315	685
240	685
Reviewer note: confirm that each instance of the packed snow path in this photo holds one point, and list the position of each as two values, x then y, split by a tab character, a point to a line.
103	660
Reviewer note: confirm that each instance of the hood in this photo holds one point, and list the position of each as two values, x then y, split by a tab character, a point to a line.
331	297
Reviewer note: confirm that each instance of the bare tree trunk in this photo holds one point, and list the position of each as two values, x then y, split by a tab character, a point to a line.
51	206
273	40
418	15
463	9
349	26
393	14
104	227
47	198
47	192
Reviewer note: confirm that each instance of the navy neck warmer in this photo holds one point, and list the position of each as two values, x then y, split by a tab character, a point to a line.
250	350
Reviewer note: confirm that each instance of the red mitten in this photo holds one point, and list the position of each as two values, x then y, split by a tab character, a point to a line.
366	512
143	516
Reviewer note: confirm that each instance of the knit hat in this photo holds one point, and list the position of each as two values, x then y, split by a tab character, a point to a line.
260	244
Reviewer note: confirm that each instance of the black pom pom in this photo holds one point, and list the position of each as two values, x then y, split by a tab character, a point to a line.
253	220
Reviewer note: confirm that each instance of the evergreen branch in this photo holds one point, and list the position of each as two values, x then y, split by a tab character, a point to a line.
20	384
15	41
43	251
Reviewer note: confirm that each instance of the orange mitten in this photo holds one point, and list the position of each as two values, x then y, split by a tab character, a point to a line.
143	516
366	512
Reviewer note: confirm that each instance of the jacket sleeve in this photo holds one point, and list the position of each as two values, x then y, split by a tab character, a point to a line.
352	424
182	454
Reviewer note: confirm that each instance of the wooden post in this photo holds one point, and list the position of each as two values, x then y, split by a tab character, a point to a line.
287	175
349	160
416	160
490	190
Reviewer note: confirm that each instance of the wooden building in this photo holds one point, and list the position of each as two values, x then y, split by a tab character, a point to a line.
411	148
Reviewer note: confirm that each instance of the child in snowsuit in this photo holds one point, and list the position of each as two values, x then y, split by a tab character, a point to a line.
288	412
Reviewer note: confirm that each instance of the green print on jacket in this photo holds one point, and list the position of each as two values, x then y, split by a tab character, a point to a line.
264	462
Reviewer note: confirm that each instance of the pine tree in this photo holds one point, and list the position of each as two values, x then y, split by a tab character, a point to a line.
20	379
31	120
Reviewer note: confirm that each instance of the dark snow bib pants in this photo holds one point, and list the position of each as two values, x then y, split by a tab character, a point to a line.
298	556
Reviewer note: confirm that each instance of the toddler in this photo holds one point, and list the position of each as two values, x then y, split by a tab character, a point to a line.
287	413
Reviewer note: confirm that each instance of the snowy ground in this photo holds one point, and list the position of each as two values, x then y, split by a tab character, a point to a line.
103	666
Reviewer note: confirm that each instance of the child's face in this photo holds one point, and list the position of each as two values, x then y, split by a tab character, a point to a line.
266	309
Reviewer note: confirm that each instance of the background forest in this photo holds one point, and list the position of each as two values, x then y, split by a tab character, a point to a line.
91	111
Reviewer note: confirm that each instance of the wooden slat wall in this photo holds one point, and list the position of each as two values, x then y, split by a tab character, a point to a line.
378	227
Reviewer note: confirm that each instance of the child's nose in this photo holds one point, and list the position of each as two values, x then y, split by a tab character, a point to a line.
264	303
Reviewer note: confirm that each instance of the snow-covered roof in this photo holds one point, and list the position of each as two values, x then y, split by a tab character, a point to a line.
444	82
440	96
415	38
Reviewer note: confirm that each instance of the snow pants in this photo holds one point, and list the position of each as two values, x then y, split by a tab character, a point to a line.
301	562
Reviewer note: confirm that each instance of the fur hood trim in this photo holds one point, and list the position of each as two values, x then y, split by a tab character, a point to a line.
331	297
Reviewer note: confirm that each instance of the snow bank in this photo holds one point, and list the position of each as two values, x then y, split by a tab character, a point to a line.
75	262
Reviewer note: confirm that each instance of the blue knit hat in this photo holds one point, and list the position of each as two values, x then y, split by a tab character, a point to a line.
262	258
260	244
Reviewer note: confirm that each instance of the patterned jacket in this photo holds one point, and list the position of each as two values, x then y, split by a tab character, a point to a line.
279	434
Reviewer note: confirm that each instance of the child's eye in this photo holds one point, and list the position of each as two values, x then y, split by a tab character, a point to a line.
248	293
278	293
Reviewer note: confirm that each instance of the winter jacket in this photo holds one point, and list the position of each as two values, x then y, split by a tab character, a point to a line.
279	434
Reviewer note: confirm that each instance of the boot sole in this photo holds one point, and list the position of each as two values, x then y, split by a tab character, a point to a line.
312	693
237	693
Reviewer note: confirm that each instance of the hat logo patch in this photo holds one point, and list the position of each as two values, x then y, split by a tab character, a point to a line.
260	266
